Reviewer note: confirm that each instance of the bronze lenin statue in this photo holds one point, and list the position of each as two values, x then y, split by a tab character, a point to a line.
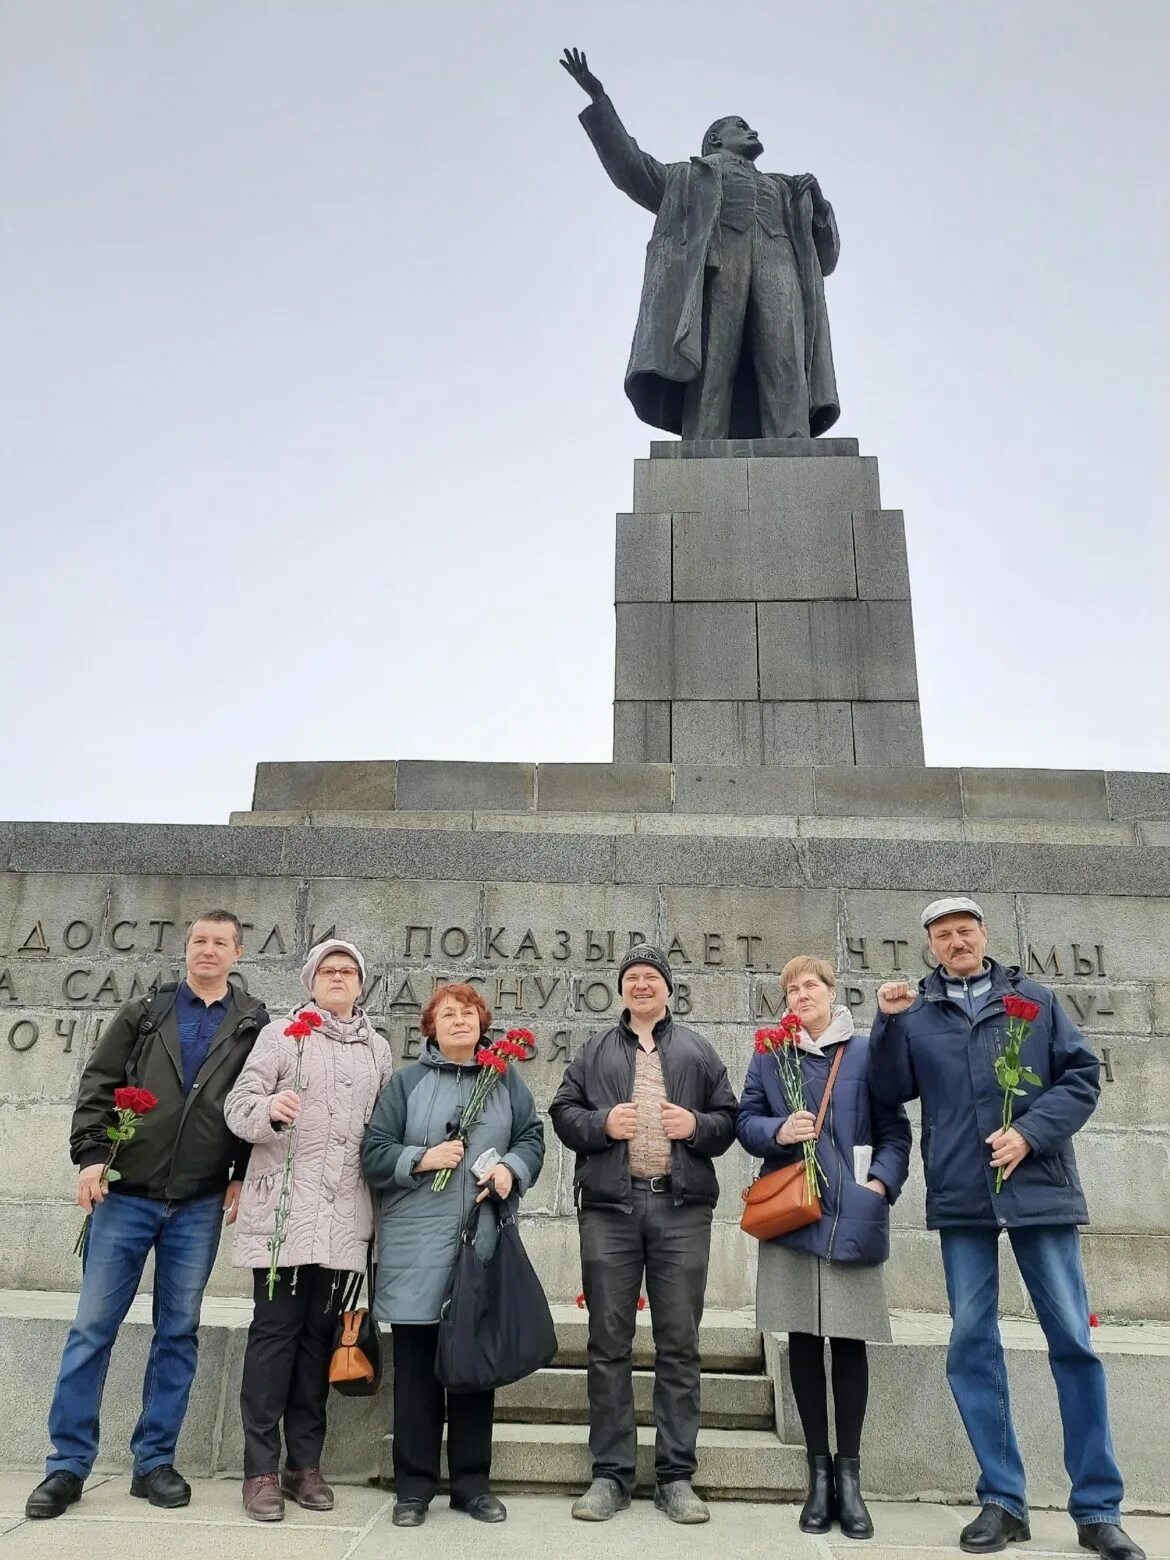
732	339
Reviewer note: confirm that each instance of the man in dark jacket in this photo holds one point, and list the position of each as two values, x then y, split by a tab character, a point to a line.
940	1043
646	1107
167	1193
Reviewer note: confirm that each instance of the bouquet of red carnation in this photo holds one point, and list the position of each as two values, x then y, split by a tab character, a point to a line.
783	1042
131	1104
299	1030
518	1045
1010	1071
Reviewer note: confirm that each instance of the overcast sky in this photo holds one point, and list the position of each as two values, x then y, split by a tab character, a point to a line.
315	314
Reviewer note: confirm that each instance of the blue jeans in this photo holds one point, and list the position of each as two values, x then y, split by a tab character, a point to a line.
185	1237
1049	1260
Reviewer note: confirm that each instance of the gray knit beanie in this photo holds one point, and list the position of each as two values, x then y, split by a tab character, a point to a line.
647	953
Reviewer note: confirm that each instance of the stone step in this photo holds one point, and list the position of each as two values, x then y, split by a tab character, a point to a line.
731	1400
728	1340
733	1464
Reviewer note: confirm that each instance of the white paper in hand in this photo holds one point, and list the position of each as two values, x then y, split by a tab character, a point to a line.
862	1159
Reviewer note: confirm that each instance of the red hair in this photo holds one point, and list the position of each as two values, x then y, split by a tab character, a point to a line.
461	992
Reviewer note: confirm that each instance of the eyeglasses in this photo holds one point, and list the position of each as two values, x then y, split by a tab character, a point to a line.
349	970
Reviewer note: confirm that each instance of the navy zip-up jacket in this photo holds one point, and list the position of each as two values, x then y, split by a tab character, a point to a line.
855	1223
935	1052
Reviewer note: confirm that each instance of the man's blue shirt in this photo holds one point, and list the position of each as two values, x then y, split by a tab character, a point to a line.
198	1022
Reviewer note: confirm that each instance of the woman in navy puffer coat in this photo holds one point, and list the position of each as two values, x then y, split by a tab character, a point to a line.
825	1280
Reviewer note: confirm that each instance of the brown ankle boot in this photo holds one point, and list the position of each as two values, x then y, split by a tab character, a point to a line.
263	1501
307	1488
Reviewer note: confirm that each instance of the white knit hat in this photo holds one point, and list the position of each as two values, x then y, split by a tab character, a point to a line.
330	945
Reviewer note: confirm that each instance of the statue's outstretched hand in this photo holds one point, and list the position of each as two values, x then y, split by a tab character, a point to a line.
577	66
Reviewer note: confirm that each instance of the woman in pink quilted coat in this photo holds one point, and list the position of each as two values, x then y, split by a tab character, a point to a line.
344	1063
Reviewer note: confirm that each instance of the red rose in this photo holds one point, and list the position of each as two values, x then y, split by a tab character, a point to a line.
138	1100
299	1029
1022	1008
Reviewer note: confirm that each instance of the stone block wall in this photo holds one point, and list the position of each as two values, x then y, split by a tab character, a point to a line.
763	610
538	906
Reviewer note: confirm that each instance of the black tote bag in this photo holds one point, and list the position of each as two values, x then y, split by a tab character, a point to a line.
495	1326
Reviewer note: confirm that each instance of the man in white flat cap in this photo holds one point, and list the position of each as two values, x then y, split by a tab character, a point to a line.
939	1043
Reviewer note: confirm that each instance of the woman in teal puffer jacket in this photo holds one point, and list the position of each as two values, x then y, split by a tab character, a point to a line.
408	1142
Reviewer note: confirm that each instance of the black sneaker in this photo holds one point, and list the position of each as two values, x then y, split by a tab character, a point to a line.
53	1494
162	1487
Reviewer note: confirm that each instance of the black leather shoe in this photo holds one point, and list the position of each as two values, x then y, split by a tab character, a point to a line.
992	1530
409	1513
53	1494
819	1509
1109	1540
162	1487
484	1508
852	1514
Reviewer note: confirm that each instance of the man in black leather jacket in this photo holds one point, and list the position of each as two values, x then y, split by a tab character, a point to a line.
646	1106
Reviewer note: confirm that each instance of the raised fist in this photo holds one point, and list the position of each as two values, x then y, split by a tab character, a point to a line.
895	996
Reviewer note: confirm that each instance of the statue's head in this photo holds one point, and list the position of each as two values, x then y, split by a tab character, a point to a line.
732	134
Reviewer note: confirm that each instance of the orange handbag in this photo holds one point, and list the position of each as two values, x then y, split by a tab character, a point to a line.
780	1202
355	1369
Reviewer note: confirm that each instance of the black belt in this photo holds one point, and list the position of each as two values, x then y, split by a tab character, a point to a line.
652	1183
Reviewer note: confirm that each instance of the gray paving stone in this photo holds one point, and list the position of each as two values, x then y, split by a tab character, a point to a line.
443	785
879	538
642	570
760	791
644	858
813	487
754	732
432	853
749	449
837	650
330	783
939	868
760	555
673	486
1060	795
887	732
641	731
888	792
1136	795
603	787
688	650
200	849
1081	869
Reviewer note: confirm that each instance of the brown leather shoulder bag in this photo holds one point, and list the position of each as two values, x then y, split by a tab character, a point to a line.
780	1202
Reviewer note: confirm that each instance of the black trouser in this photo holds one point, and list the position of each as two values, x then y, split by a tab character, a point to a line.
286	1367
806	1361
671	1245
419	1403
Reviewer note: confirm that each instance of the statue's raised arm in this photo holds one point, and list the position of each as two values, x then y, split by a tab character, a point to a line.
635	172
